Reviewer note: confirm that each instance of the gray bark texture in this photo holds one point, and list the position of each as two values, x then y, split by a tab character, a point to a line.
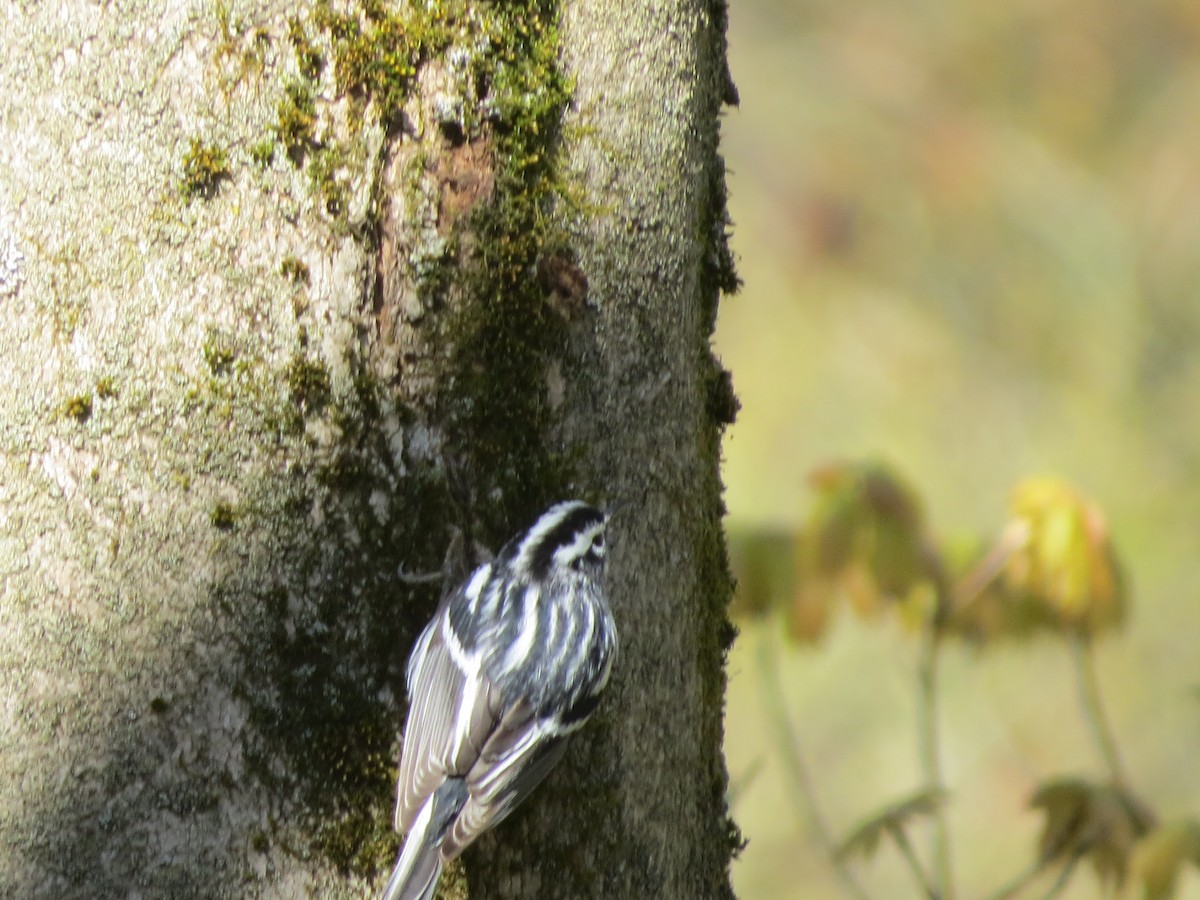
289	295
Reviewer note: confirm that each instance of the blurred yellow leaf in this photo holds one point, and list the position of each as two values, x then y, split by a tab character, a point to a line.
1066	562
1098	821
1158	856
864	839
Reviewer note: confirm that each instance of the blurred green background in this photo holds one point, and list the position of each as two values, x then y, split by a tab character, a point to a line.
970	239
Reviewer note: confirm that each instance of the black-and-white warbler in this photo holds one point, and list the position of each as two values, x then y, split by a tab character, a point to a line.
513	661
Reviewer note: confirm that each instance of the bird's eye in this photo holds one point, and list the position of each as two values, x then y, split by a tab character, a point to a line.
598	543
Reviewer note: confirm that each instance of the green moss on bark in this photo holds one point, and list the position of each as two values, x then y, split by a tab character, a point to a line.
325	639
507	335
205	166
296	120
78	408
223	517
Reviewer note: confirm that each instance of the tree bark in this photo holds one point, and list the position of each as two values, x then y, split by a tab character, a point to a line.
286	295
650	784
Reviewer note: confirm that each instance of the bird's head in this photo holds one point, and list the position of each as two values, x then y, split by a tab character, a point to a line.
569	537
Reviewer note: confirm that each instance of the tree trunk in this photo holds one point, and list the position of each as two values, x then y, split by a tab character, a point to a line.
286	296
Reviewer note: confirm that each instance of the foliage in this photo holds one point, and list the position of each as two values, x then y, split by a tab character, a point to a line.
890	821
1052	570
1065	563
969	236
1102	822
864	539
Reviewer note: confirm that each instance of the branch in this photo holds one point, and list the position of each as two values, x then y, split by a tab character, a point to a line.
929	747
972	585
1093	707
910	856
804	793
1063	877
1027	877
1019	883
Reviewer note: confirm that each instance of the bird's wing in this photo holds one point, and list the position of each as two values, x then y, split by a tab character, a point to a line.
453	708
518	755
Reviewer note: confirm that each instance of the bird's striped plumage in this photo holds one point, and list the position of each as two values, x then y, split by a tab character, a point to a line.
513	661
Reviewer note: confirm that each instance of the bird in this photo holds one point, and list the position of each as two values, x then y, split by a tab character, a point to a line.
513	662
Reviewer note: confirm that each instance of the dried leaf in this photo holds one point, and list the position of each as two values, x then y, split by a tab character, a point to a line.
1098	821
864	839
1064	804
865	537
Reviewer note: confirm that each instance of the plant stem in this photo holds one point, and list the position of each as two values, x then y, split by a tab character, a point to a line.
1018	883
971	587
1093	707
1063	877
1027	877
929	747
804	793
910	855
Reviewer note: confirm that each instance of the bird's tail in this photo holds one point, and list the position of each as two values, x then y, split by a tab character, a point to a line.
419	866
